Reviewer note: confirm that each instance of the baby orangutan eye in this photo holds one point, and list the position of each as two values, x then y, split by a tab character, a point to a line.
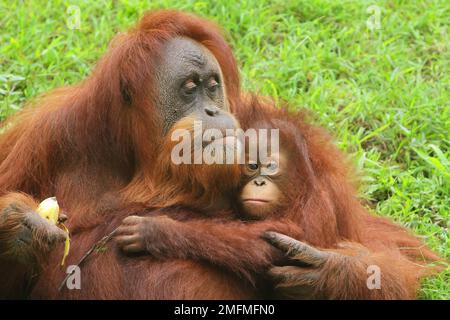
253	166
272	166
270	169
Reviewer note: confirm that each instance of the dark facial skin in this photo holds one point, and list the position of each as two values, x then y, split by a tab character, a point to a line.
262	193
190	83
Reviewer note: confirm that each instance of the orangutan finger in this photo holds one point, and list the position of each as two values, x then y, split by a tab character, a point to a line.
126	240
125	230
131	220
297	251
293	276
62	217
56	235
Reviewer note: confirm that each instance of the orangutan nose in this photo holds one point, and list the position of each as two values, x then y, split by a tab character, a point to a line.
259	182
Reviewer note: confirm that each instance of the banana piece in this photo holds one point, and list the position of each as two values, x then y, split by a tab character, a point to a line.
49	210
66	245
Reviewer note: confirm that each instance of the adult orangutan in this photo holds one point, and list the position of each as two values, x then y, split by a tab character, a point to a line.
292	191
94	145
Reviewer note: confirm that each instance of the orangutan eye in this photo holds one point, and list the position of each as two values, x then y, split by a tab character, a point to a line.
189	87
272	166
212	85
253	166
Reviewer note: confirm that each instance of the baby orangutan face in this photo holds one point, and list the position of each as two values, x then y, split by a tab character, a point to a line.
262	193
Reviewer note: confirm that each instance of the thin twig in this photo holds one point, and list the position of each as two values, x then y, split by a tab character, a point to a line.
99	244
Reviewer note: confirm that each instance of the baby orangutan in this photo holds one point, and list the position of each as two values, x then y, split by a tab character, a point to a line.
292	195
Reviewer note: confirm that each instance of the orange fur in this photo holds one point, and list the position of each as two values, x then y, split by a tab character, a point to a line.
95	147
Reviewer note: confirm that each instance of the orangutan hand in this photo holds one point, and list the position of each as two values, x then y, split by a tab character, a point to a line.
25	235
305	274
144	234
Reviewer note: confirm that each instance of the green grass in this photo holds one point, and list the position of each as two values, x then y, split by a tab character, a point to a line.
383	93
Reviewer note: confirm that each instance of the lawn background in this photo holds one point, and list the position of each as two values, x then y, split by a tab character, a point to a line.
383	92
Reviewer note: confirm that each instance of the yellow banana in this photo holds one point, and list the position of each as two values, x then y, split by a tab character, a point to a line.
49	210
66	244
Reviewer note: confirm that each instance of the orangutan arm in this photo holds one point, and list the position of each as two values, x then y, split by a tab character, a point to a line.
234	245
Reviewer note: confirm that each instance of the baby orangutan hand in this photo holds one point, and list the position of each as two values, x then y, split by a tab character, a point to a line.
143	234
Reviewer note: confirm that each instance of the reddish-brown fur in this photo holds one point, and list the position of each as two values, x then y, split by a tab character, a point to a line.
94	147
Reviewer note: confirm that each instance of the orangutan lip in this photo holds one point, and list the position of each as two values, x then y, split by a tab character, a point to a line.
255	200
